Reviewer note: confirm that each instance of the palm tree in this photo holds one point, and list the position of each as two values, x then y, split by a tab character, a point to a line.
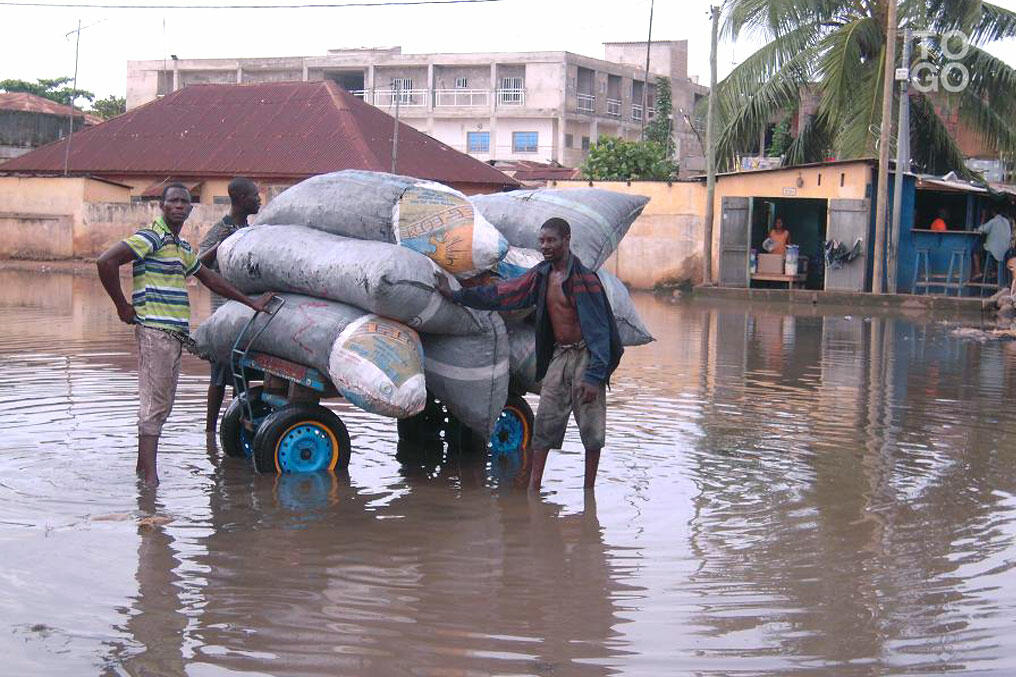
836	50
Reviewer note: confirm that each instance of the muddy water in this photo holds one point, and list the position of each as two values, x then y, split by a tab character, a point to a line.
812	492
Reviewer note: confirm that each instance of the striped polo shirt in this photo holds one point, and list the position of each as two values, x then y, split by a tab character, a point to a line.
162	264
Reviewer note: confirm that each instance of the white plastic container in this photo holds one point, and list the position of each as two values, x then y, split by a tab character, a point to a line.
790	264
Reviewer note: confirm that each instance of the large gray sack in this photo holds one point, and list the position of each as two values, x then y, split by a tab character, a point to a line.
522	357
352	203
427	217
303	330
632	330
470	373
382	278
598	218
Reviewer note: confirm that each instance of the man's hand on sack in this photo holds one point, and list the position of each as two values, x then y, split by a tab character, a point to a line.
260	304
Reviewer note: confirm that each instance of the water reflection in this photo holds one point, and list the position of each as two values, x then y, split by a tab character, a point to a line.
783	490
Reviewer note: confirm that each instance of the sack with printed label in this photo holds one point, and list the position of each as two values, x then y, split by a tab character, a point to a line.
427	217
598	218
381	278
377	364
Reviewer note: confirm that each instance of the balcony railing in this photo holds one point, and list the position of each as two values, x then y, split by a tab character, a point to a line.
462	98
614	108
511	97
585	103
404	97
636	111
361	94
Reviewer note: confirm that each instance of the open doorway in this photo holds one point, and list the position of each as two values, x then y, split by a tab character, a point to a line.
805	219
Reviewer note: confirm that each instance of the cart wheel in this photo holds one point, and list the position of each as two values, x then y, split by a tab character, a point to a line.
513	432
301	438
235	439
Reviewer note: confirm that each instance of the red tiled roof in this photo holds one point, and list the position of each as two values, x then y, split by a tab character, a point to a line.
31	103
279	129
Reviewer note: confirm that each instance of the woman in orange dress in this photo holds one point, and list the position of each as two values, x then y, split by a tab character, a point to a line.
780	237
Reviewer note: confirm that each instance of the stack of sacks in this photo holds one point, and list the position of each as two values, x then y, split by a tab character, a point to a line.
354	254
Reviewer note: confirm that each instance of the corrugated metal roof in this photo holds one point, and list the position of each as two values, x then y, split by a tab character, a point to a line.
32	103
280	129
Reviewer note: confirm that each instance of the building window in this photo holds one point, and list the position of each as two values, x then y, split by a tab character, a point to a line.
512	90
585	143
477	142
220	200
569	141
461	83
404	87
525	142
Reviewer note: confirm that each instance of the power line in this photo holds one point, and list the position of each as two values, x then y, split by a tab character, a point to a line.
316	5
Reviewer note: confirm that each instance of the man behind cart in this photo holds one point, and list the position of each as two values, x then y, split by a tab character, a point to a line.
577	344
159	309
244	200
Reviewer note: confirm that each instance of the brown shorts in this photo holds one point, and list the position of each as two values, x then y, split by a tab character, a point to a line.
557	402
158	371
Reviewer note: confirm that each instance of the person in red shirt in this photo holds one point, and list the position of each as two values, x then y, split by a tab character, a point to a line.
939	223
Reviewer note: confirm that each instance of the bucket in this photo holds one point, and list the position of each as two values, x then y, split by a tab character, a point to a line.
790	262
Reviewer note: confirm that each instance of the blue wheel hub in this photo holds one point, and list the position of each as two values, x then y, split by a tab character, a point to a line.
307	447
246	442
506	440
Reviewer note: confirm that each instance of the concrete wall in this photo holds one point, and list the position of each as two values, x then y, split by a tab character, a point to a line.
664	245
105	223
60	218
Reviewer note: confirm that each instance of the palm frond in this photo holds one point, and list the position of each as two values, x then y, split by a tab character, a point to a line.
982	22
813	143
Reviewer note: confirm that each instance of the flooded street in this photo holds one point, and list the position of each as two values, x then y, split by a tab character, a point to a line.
784	489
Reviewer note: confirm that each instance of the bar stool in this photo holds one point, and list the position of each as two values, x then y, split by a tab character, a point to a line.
957	265
957	262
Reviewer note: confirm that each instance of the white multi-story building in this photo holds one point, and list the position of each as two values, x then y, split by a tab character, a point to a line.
543	106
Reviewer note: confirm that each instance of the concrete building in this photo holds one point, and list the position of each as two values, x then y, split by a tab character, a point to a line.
540	106
28	121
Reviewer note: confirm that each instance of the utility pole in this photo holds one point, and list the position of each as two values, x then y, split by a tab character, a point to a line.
707	245
881	197
645	83
902	159
396	89
74	95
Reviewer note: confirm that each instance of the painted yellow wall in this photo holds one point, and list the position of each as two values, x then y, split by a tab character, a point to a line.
840	180
665	242
60	218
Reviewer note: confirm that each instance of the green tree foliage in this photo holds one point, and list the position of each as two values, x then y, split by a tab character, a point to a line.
109	107
781	139
614	159
659	128
836	48
54	89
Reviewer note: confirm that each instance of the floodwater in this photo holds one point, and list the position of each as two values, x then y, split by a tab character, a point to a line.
785	490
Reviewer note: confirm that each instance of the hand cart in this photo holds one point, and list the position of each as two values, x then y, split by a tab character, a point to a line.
277	420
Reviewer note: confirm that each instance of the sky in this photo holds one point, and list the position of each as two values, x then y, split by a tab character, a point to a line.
39	42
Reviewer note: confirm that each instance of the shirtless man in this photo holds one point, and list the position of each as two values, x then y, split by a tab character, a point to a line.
577	344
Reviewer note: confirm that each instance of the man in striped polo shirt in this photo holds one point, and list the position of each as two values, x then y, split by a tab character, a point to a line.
159	307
